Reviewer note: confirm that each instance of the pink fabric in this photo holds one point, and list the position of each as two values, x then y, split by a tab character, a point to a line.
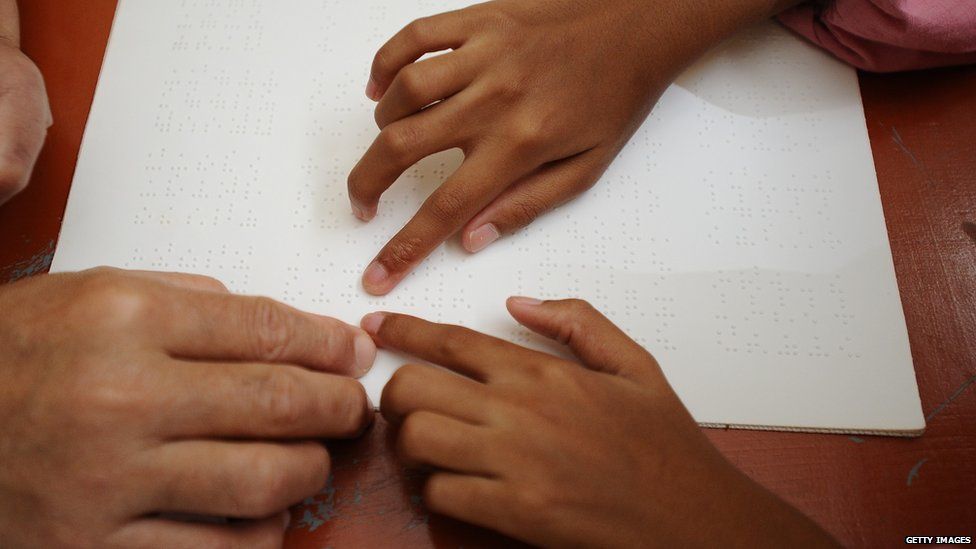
890	35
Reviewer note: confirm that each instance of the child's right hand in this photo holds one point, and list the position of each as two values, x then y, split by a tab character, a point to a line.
540	95
559	453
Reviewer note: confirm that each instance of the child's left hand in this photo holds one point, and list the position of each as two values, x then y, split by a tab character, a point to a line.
558	453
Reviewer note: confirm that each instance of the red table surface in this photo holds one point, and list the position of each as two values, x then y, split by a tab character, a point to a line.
867	491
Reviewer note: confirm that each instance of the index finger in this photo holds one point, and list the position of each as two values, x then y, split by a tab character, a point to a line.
252	401
465	351
218	326
474	185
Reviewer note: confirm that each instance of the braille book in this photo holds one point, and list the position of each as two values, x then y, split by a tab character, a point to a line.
739	236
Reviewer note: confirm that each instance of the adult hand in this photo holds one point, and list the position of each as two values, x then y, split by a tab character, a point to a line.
129	400
597	453
24	112
540	95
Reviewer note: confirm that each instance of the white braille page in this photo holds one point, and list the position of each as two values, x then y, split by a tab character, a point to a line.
739	236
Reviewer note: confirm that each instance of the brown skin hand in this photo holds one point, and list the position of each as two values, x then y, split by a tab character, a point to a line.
597	452
24	112
540	96
129	397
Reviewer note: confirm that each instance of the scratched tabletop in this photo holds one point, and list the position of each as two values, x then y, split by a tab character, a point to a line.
867	491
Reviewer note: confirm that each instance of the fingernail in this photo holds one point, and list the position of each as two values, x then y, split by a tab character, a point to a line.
286	519
376	277
365	353
372	322
370	416
530	301
372	89
364	214
482	237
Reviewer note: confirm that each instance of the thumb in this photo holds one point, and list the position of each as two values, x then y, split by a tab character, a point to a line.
542	191
596	341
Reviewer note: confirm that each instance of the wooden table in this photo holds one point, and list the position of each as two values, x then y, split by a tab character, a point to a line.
867	491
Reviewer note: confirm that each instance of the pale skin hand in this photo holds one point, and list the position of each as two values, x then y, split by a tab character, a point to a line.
129	400
24	112
540	95
594	453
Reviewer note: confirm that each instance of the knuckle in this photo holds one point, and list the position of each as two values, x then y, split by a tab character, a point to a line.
402	252
526	208
400	139
321	473
412	435
510	409
93	398
383	60
212	283
99	400
101	271
535	502
271	329
26	74
398	392
405	376
351	409
507	92
455	344
382	117
109	295
269	488
569	329
338	351
529	133
448	206
535	370
578	308
399	385
417	31
354	182
579	305
434	495
573	315
562	376
317	466
412	82
282	405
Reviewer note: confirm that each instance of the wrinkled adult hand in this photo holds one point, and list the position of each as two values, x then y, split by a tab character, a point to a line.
540	95
24	112
130	400
594	453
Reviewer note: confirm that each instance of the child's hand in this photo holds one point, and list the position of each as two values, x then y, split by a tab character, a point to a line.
24	112
558	453
540	95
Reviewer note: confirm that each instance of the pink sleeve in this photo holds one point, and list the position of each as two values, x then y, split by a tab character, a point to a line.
890	35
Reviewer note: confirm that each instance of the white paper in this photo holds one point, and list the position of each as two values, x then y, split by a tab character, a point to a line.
739	237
